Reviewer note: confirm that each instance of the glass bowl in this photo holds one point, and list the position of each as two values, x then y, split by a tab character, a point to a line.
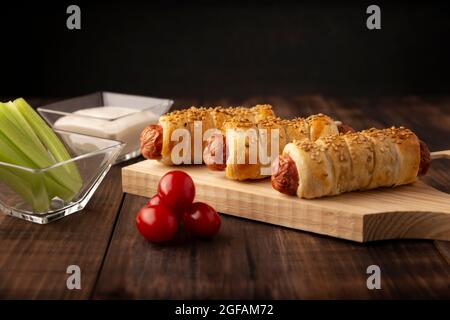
24	192
83	115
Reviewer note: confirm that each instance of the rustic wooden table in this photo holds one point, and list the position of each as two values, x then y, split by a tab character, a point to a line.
247	259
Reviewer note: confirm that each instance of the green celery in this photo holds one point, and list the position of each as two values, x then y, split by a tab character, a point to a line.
52	143
26	140
29	187
10	129
9	153
17	129
25	183
21	124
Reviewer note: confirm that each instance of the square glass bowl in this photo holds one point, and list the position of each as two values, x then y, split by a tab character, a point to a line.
26	193
129	115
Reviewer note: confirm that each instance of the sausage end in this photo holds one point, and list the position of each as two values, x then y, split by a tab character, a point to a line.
285	177
151	141
425	159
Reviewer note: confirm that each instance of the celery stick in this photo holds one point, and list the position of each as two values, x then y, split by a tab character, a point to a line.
27	184
19	145
9	153
35	152
54	189
24	138
44	132
27	188
50	140
19	121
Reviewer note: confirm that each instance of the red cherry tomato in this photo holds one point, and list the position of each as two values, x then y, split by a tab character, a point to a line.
156	223
154	201
176	190
202	220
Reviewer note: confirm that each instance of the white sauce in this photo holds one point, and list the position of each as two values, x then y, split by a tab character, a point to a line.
117	123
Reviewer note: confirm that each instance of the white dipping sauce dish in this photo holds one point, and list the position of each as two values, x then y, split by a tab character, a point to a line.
109	122
122	122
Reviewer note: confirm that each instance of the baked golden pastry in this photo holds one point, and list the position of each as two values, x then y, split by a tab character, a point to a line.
250	146
162	141
347	162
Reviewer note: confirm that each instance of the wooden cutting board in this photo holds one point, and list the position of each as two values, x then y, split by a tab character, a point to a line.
414	211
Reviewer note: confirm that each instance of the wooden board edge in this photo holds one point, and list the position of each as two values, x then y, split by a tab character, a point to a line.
231	203
406	225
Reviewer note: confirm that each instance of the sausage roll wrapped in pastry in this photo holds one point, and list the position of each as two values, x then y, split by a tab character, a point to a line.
347	162
245	150
158	141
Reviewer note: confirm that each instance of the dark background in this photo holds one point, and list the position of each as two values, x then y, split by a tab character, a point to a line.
235	50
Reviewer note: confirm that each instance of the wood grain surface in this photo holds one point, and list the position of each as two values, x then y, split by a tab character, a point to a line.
34	258
255	260
247	259
416	211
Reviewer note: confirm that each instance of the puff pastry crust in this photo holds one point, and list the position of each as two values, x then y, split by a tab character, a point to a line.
355	161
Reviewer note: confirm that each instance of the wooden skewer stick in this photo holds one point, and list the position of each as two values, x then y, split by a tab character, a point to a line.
445	154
